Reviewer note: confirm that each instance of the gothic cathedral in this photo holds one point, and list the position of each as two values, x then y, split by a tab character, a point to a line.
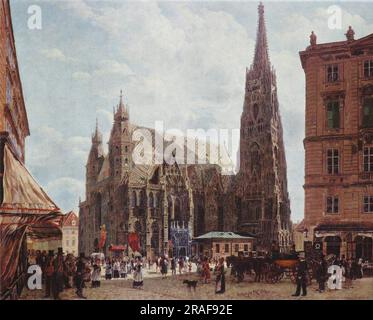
158	202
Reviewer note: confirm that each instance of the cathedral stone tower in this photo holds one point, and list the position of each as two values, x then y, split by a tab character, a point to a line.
262	197
95	158
120	142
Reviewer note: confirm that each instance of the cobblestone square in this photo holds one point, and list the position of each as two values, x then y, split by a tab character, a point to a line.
172	288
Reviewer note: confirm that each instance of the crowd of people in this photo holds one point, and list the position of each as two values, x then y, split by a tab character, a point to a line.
64	271
60	271
338	274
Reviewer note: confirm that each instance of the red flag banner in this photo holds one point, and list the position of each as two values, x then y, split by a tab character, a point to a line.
103	235
133	241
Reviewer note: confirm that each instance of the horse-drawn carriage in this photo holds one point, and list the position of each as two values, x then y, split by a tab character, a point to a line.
270	269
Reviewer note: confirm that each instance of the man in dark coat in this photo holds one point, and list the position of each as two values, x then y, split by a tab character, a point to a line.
59	269
258	268
301	278
79	278
49	273
321	273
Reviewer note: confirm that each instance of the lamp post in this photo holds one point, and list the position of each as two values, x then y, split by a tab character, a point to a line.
306	242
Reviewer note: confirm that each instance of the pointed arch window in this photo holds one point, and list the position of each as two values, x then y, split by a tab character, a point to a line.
133	199
177	211
255	111
255	158
142	199
151	200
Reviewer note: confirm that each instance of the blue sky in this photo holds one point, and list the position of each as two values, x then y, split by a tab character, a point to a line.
182	62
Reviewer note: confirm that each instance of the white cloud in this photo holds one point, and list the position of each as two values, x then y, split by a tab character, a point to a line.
110	67
54	54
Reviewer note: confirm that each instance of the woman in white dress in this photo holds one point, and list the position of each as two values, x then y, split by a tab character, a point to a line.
116	268
96	274
138	278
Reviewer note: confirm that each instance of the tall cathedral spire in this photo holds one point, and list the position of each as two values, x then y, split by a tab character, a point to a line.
122	112
97	136
121	104
264	201
261	58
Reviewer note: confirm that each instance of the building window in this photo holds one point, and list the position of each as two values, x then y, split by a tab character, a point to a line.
368	204
333	161
236	247
368	68
333	114
332	73
332	204
368	159
246	247
217	248
368	112
67	243
226	249
73	243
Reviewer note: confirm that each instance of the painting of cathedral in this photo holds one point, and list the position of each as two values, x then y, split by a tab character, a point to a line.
149	199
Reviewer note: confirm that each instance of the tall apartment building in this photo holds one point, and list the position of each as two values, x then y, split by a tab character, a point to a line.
339	145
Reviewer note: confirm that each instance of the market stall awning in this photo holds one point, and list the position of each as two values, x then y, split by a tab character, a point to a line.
26	210
22	194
